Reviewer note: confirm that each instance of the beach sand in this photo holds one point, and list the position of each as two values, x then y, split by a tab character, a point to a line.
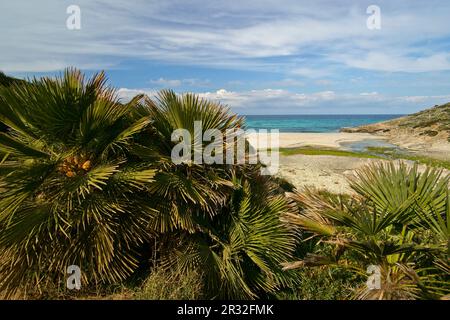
323	172
320	171
328	140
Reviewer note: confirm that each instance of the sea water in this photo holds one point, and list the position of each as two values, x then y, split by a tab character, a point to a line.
312	123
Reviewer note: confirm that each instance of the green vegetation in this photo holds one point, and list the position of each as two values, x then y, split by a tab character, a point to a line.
163	284
432	121
72	193
7	81
400	223
322	283
88	180
310	151
392	153
370	153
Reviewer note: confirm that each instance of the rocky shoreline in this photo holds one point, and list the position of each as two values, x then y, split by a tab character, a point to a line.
426	132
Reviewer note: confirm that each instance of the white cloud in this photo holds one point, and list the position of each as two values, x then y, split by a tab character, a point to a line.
126	94
307	35
162	82
397	63
166	82
279	101
311	72
424	99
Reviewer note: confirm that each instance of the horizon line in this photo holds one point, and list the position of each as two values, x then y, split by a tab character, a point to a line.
327	114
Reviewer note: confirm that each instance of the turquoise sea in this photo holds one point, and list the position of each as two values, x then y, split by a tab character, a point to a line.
313	123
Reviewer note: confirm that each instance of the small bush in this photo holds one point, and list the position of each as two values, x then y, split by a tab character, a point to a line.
322	283
163	284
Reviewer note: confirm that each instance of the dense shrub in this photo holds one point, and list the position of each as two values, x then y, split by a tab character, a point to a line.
87	180
399	222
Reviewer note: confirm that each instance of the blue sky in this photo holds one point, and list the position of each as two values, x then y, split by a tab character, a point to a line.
258	57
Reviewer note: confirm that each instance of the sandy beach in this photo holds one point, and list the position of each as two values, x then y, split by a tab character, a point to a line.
320	171
327	140
323	172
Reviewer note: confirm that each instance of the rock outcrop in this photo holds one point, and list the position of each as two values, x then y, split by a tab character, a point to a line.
427	131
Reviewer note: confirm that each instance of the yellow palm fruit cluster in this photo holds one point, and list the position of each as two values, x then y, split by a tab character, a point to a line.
75	165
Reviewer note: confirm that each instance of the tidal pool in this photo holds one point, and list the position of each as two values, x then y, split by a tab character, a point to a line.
370	145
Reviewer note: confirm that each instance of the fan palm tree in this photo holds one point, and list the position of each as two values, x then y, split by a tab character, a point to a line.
213	220
186	192
86	180
71	191
240	251
398	222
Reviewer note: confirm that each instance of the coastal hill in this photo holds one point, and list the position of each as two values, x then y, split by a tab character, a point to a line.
424	131
6	80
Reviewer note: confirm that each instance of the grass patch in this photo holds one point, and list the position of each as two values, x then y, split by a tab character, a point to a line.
325	152
392	153
431	162
322	283
371	153
165	284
